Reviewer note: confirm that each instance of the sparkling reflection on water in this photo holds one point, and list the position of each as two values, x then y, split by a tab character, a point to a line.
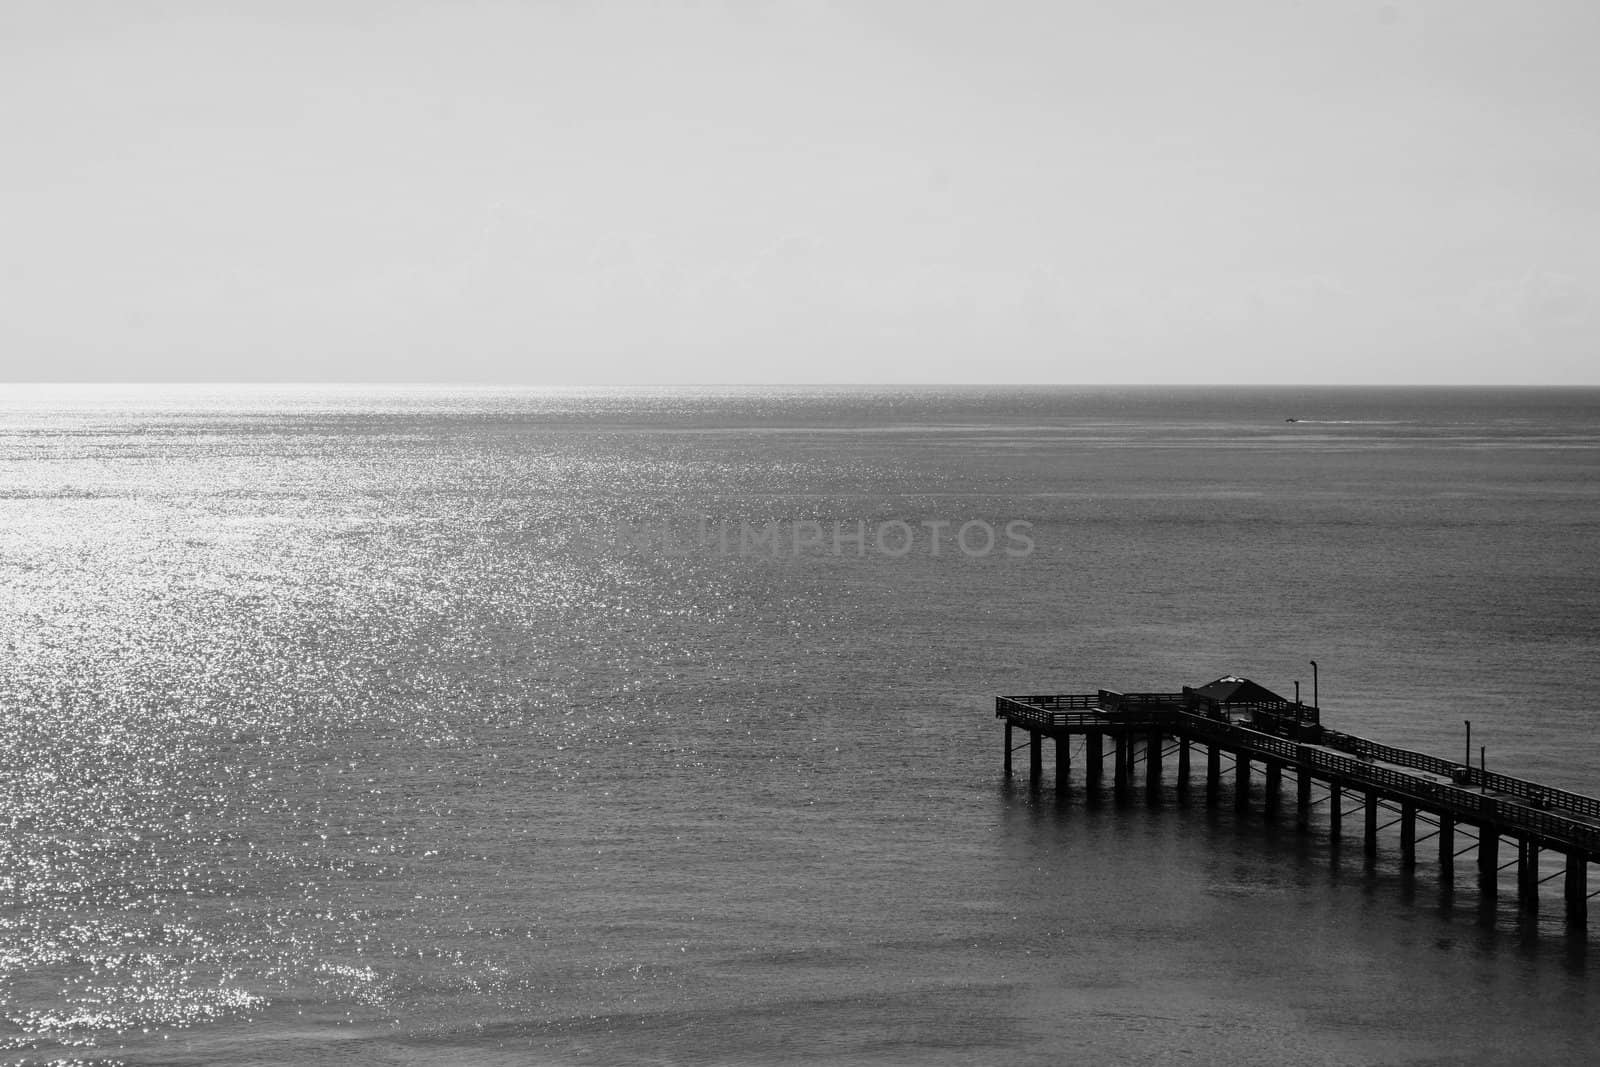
338	720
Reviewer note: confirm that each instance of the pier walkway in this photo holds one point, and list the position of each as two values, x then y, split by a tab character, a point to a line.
1450	800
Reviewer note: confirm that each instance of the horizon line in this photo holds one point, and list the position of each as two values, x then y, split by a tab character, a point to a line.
437	384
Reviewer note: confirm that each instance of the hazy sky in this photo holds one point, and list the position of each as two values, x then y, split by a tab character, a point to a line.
557	191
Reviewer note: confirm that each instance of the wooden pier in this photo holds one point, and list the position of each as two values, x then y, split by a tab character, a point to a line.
1246	727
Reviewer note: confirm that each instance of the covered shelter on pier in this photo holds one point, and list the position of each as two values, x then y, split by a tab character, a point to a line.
1240	700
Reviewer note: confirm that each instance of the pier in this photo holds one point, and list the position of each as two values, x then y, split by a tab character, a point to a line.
1236	727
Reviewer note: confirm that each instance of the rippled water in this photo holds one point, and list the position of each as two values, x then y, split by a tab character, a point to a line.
369	724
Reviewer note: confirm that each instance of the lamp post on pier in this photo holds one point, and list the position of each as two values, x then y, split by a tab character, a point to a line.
1315	702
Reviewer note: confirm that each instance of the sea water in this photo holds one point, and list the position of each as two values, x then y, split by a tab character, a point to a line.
499	726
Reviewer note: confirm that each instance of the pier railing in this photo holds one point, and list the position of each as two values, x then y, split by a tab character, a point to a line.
1541	795
1465	801
1083	711
1057	702
1124	711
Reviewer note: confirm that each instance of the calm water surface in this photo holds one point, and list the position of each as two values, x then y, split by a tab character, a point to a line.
371	726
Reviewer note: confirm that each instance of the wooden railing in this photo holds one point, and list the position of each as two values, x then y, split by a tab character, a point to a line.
1058	702
1475	806
1089	711
1555	799
1135	701
1059	716
1086	711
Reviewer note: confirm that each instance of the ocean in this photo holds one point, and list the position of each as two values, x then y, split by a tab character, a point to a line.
399	725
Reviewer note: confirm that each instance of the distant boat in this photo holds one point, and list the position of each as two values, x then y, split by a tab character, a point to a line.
1291	420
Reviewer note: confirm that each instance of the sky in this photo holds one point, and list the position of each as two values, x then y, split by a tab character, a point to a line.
801	191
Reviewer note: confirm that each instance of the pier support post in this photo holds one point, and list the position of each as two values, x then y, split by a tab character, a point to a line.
1183	767
1447	851
1213	773
1152	765
1335	811
1274	785
1577	888
1371	835
1063	764
1528	874
1408	835
1302	807
1119	778
1488	860
1241	788
1094	760
1008	748
1035	757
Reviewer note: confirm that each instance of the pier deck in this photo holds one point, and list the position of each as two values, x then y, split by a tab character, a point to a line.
1446	797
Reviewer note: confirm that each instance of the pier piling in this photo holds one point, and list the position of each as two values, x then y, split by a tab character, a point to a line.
1528	874
1488	861
1577	888
1152	766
